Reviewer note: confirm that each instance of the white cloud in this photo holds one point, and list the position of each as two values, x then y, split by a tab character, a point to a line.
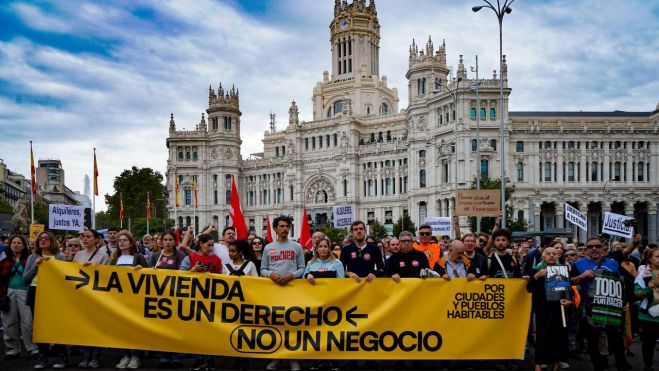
561	56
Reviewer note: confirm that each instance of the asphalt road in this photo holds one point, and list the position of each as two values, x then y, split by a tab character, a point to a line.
112	356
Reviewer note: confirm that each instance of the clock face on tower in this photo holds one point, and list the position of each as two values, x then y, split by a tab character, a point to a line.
344	23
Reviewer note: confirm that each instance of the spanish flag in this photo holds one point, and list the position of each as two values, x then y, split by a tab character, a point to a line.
148	207
33	172
194	191
121	206
176	189
95	175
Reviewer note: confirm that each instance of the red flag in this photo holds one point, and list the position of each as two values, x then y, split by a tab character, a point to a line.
305	234
148	207
268	227
236	218
95	175
177	236
121	206
33	172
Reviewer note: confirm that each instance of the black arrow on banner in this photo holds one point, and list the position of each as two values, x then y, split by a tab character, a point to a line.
350	314
84	280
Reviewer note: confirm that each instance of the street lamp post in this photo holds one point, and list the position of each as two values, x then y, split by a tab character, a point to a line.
478	140
500	10
456	94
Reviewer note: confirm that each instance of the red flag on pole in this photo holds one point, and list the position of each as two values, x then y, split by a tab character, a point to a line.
236	218
95	175
33	172
268	227
305	233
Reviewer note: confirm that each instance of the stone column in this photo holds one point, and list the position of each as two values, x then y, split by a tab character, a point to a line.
652	222
560	215
536	217
583	235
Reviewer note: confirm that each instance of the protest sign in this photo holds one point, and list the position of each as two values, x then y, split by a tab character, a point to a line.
66	217
35	230
605	302
201	313
614	224
343	215
576	217
557	282
471	202
441	225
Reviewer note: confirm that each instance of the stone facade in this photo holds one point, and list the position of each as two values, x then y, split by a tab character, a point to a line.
361	149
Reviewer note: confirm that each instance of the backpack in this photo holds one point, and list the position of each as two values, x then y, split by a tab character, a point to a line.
237	272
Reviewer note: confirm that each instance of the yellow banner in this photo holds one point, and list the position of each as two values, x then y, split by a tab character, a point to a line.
35	231
202	313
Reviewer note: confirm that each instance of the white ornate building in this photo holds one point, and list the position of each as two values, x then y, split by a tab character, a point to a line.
361	149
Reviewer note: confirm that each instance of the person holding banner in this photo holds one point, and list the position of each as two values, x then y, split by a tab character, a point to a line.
454	264
46	249
646	288
283	261
361	259
168	257
549	285
409	262
242	260
15	314
602	332
324	263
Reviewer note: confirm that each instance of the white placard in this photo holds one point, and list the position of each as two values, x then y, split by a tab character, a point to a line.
614	224
343	215
575	217
66	217
441	225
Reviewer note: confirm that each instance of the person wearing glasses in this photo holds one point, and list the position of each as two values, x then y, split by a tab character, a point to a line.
258	244
362	259
47	248
583	273
431	250
15	314
73	245
409	262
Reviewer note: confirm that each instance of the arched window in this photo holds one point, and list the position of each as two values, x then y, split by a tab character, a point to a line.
547	171
384	109
493	113
570	171
423	211
593	171
640	171
493	144
472	113
422	179
519	146
422	153
474	145
483	113
485	168
520	172
547	145
617	171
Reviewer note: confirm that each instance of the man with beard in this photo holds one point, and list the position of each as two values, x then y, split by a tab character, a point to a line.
283	261
361	259
477	257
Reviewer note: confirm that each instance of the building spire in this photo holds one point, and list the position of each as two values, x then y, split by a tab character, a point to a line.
172	124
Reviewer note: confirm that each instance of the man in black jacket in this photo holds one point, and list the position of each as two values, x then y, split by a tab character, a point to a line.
408	262
362	259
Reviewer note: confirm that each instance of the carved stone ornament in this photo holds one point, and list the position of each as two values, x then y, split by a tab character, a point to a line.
226	154
321	190
444	148
595	155
641	155
619	156
422	123
370	173
549	154
411	124
214	153
422	163
572	155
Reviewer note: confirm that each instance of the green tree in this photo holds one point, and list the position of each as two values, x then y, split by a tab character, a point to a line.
377	230
133	184
41	212
404	224
487	223
5	207
335	234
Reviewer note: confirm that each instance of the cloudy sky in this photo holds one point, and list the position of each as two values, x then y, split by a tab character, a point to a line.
81	74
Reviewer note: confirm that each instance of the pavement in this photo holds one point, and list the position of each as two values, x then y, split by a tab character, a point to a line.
150	362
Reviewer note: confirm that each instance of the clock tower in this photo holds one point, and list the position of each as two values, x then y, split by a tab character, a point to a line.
355	87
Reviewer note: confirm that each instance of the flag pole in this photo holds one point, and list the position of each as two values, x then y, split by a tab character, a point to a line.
148	212
95	192
175	200
121	210
33	185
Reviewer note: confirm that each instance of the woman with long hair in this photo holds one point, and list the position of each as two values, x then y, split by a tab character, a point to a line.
258	244
167	257
47	248
15	313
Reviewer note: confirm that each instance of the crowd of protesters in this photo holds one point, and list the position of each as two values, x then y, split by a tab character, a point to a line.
560	330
